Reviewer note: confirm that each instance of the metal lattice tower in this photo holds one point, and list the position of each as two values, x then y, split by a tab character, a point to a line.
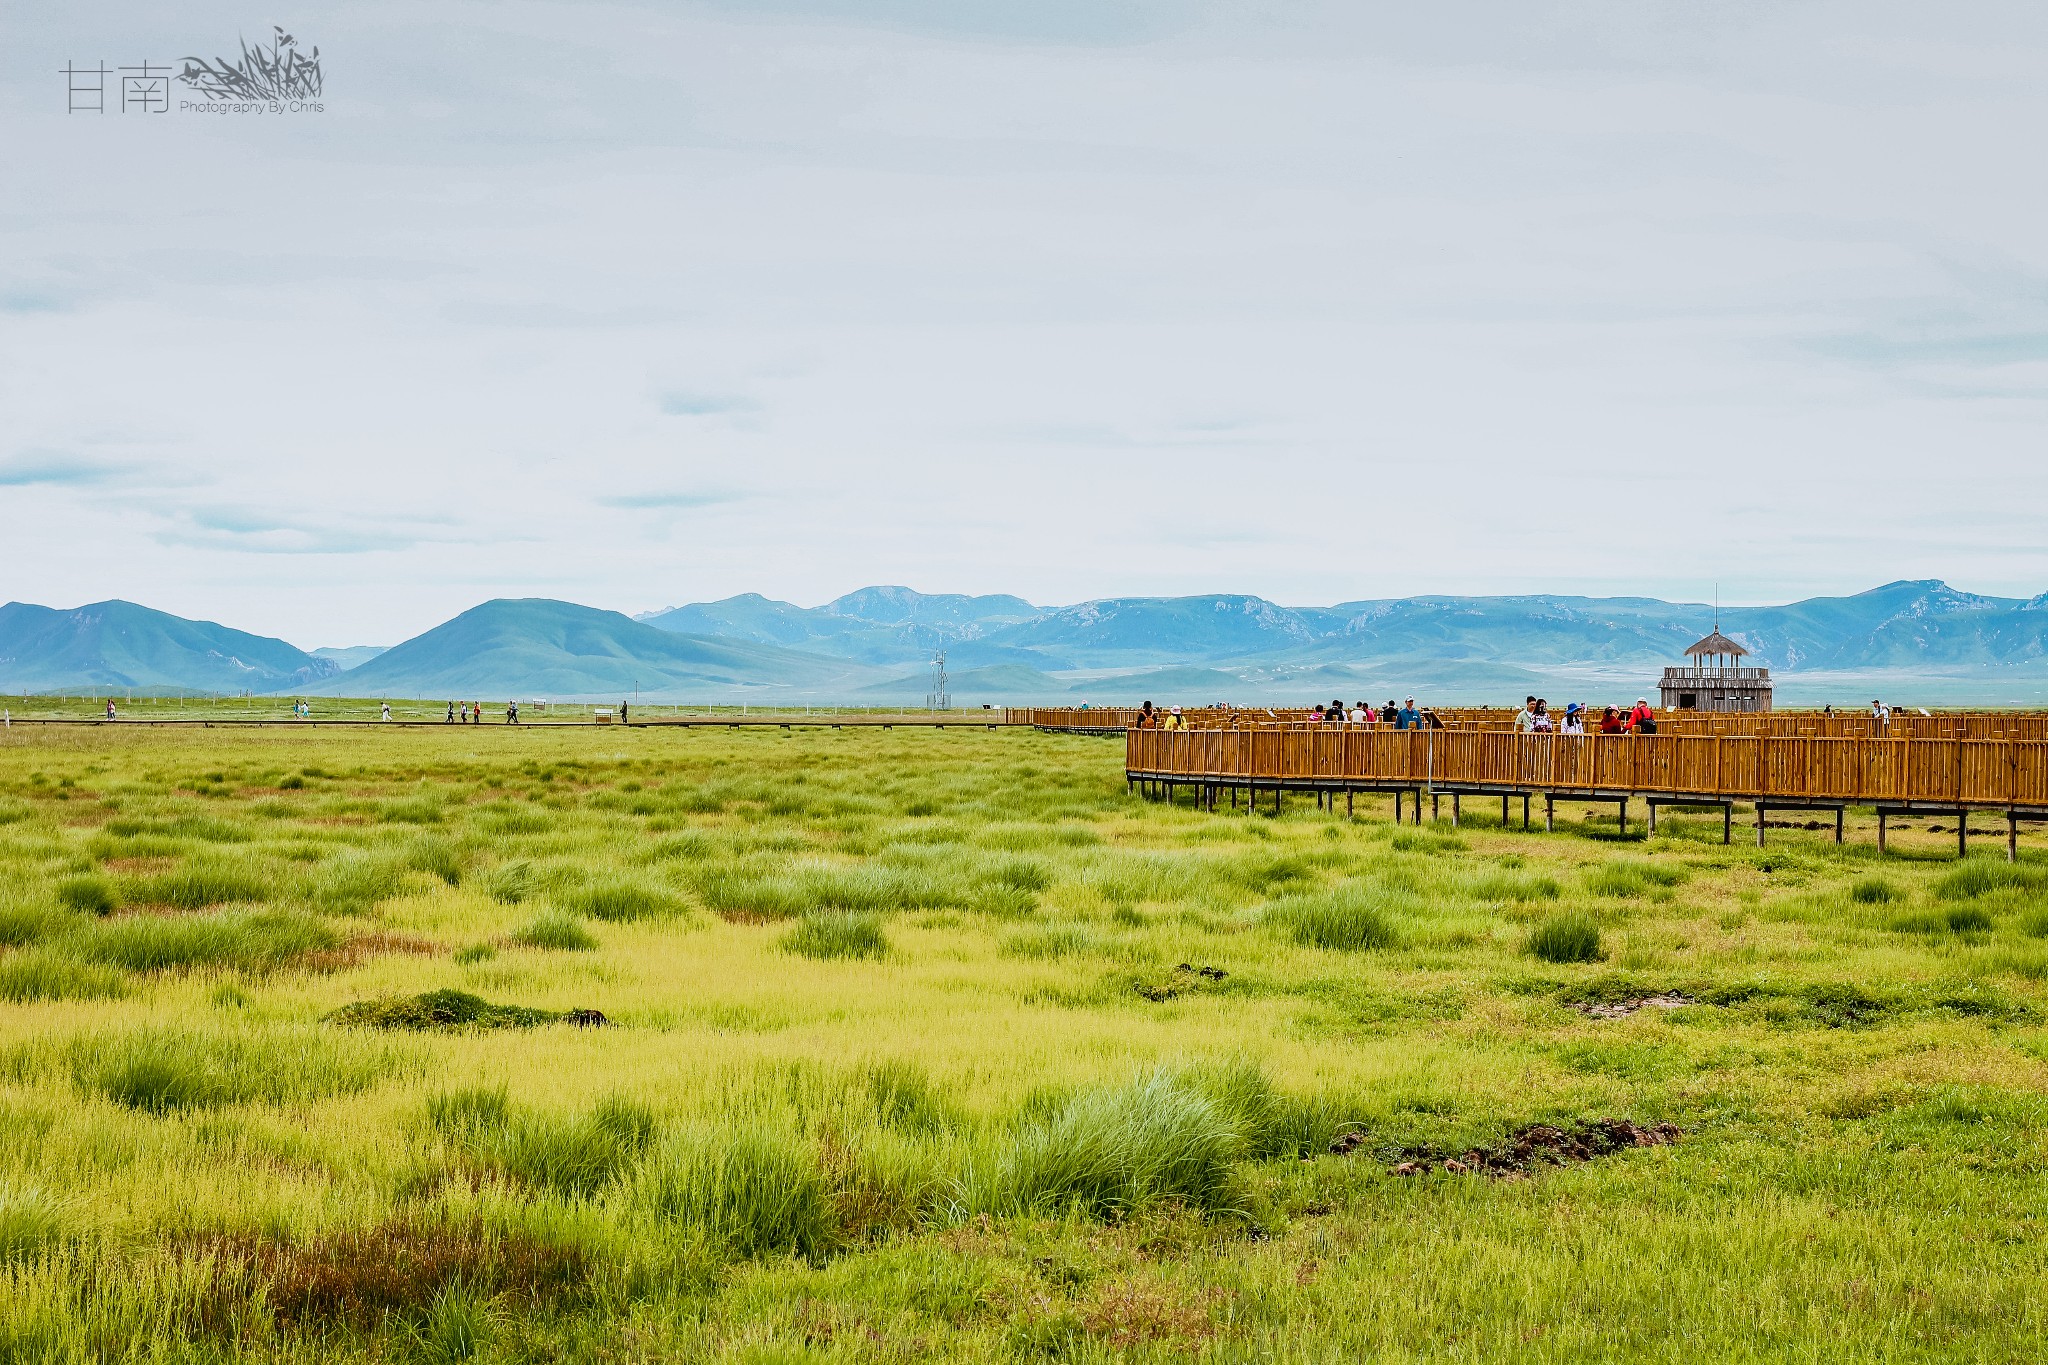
939	699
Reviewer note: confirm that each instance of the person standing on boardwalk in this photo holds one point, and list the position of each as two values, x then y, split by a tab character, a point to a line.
1147	718
1642	719
1411	719
622	713
110	708
451	713
1525	719
512	711
1574	720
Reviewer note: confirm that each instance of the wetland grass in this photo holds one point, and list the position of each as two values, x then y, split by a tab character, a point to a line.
940	1046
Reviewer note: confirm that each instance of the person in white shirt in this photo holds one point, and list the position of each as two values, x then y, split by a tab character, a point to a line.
1525	719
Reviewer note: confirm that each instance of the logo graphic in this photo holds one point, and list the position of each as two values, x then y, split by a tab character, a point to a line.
277	79
281	73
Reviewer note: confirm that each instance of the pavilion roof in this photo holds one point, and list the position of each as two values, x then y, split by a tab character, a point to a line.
1717	643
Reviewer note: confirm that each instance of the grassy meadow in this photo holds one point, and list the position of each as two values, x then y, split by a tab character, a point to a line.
940	1045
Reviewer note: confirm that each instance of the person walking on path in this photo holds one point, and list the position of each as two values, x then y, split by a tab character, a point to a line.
1541	723
1610	722
387	710
451	713
1525	719
622	713
1642	719
1411	719
110	708
1574	720
512	711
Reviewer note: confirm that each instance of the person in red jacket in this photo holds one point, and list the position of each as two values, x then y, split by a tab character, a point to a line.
1642	719
1610	722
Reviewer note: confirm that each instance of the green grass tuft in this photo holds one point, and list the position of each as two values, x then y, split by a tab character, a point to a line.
1114	1151
562	933
619	901
1632	877
837	933
1348	918
162	1070
251	941
751	1190
32	1221
89	893
1566	938
46	976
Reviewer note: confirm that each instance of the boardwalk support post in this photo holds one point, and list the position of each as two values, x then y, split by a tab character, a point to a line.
1759	824
1348	795
1454	810
1962	833
1839	812
2012	836
1727	822
1525	812
1435	810
1504	810
1653	819
1624	817
1880	829
1549	813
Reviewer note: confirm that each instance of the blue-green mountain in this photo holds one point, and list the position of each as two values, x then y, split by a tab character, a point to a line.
116	644
537	647
886	625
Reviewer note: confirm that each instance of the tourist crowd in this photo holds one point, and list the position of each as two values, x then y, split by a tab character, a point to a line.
1535	717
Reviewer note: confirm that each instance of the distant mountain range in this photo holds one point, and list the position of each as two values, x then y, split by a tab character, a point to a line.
876	645
118	644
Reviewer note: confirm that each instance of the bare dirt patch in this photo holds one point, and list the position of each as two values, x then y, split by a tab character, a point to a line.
1621	1009
360	949
1526	1149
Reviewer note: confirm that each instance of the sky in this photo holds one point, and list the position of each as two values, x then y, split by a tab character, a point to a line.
638	304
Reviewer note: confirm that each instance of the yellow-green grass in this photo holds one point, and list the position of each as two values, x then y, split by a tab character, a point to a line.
911	1056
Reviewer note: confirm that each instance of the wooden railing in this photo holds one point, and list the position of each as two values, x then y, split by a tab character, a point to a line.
1977	725
2005	773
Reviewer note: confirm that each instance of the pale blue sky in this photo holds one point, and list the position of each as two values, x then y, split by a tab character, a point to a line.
640	304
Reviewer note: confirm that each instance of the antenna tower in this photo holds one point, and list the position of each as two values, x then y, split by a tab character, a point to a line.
939	699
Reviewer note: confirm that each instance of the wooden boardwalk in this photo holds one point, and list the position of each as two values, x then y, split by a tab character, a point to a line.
1954	776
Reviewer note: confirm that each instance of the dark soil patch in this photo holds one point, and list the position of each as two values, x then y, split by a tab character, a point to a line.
1538	1144
441	1010
1185	978
1621	1009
